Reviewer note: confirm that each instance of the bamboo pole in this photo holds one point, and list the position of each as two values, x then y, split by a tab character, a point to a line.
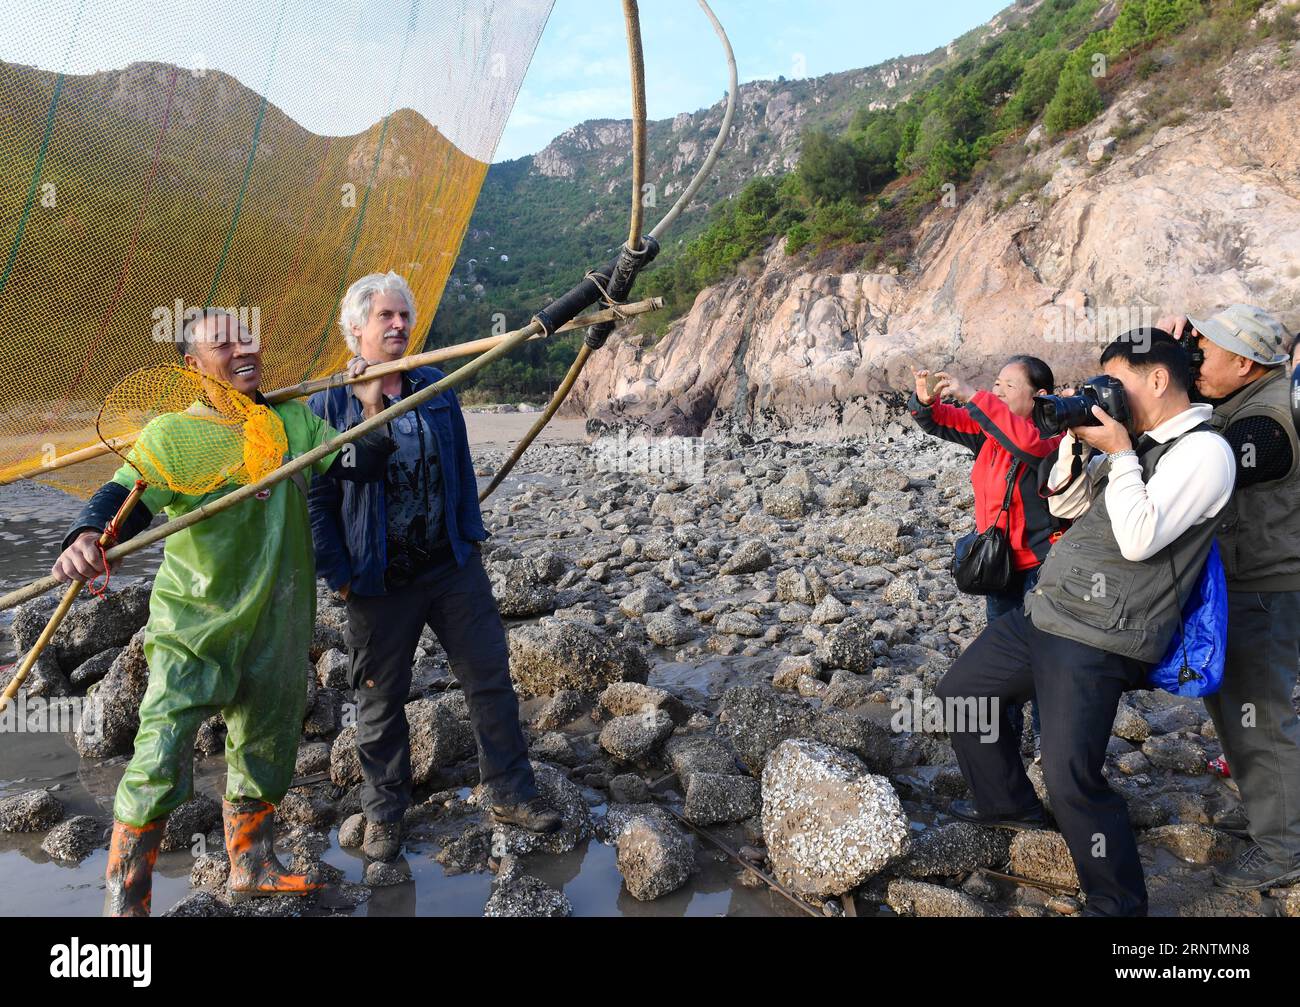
636	63
147	538
557	400
378	371
452	352
51	627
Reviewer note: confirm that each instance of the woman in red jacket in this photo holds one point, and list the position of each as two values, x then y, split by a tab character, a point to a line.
996	426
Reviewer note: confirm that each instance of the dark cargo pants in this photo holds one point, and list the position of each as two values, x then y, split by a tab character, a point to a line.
1078	689
383	632
1255	719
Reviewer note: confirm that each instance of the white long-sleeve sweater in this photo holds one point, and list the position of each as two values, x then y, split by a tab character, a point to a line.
1191	483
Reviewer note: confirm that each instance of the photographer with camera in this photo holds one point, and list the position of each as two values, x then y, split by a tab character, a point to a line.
1240	359
1107	605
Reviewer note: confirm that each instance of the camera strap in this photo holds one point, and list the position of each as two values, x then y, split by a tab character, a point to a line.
1076	470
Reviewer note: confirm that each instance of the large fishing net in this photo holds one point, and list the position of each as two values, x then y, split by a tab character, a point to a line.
160	158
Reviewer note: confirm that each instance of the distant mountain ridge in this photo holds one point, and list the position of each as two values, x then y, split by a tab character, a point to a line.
770	115
555	213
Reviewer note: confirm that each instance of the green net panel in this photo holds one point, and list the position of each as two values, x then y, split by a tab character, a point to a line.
255	155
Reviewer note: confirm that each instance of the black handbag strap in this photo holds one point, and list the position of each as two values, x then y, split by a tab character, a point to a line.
1006	500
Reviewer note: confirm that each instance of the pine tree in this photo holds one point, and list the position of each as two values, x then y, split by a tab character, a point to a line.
830	168
1037	85
1129	29
935	131
1164	17
1076	100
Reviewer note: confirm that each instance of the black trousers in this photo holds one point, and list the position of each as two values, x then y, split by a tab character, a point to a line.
1022	582
1256	720
383	632
1078	689
995	607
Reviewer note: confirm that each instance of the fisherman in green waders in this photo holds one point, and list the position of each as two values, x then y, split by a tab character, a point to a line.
231	617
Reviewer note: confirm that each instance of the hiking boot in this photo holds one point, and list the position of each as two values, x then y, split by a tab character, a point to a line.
250	842
1235	823
536	815
131	855
1026	822
383	840
1255	871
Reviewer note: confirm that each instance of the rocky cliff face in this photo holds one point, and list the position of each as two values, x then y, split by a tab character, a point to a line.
771	116
1203	214
770	119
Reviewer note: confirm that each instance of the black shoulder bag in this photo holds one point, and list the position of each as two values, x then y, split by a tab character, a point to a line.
981	561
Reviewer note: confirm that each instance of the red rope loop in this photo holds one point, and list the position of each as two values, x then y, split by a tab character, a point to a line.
110	533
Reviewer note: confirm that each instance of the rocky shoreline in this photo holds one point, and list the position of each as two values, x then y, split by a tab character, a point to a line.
733	643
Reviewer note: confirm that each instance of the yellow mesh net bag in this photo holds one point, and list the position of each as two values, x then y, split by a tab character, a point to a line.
190	432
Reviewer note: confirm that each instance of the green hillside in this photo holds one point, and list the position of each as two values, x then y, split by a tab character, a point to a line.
870	161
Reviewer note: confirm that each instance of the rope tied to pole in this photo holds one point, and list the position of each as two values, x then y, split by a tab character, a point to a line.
617	286
107	539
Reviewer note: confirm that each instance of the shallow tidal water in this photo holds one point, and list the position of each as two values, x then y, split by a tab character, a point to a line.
31	884
33	520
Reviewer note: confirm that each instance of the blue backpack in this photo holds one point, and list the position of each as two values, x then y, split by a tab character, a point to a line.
1193	664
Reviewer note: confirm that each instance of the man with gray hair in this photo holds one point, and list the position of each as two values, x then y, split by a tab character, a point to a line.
1240	358
404	553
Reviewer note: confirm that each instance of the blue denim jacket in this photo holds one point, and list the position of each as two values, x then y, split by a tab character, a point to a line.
349	522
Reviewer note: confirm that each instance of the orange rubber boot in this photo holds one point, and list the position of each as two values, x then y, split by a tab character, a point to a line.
131	855
254	870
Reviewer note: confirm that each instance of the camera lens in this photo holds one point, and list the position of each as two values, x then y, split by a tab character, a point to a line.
1195	354
1047	414
1054	414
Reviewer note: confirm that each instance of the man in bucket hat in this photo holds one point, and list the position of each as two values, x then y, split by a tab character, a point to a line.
1242	372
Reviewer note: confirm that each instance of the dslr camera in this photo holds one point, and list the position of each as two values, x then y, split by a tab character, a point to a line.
1054	414
1195	354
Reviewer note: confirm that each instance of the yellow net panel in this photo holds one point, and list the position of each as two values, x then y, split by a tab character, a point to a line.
160	157
201	434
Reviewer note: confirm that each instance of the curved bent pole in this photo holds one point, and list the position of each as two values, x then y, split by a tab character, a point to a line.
638	175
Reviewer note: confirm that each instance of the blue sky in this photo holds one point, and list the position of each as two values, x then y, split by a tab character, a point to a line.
581	71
